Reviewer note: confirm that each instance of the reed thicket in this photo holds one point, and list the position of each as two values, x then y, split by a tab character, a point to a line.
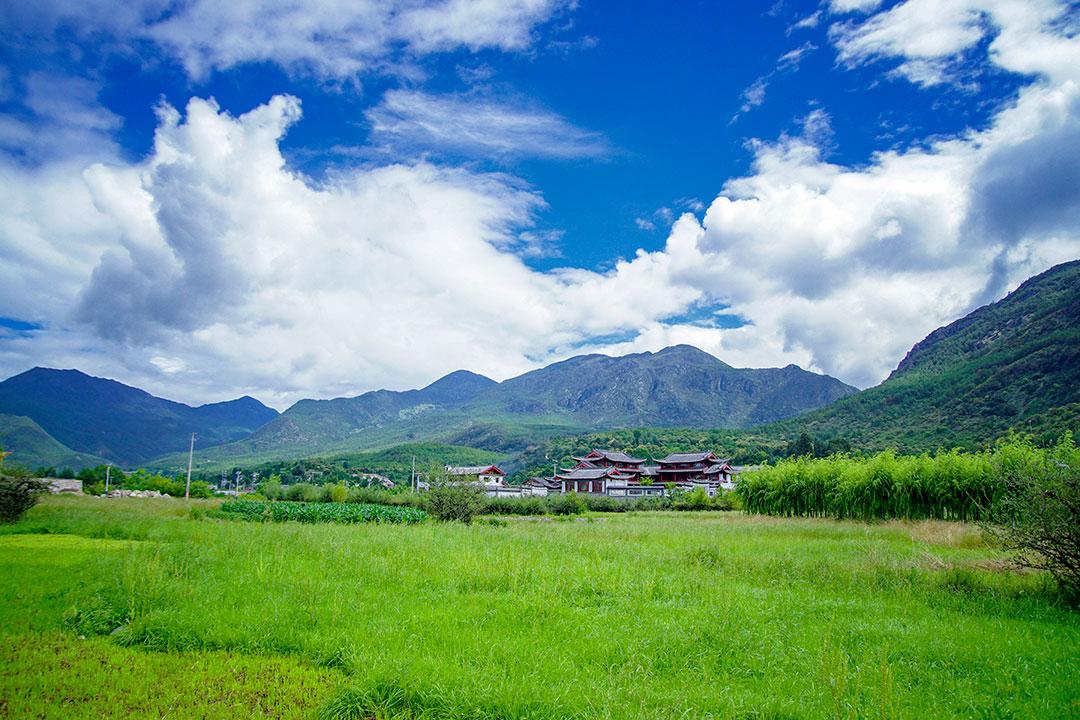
946	486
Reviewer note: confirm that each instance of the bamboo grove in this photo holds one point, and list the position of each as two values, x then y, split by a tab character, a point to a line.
946	486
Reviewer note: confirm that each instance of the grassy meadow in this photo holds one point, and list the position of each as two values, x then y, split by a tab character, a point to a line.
153	608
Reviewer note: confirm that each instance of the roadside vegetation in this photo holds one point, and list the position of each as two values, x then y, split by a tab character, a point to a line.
634	616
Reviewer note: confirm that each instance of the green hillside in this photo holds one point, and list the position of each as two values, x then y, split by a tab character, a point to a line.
678	386
32	447
395	463
124	424
1014	364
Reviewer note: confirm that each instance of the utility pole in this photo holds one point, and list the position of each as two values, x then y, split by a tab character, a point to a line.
191	455
107	473
412	478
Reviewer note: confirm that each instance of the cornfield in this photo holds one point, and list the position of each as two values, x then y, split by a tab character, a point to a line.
946	486
281	511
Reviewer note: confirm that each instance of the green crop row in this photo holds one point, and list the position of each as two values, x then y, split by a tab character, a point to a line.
322	512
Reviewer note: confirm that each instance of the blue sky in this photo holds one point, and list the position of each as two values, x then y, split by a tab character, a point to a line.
445	183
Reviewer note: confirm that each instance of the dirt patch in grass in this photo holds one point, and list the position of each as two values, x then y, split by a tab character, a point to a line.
939	532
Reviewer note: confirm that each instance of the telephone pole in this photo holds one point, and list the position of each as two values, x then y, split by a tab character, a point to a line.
107	473
191	455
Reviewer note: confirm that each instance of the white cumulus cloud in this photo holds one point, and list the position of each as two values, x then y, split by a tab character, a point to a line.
214	252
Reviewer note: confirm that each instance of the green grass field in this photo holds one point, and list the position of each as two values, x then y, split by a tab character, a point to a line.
142	608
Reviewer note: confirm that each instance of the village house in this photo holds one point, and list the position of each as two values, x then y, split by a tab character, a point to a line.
370	479
616	474
604	472
489	477
541	486
697	470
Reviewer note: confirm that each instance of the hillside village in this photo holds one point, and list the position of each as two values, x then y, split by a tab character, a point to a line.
609	473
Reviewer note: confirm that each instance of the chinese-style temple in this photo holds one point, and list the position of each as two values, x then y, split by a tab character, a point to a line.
610	473
604	472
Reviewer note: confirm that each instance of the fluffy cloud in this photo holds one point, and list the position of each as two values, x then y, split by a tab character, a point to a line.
849	266
337	39
220	267
408	119
842	270
213	266
930	37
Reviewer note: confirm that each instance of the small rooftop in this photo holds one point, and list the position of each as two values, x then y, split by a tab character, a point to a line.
687	457
591	474
473	470
614	456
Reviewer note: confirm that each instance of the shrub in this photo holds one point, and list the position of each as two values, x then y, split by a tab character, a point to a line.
726	501
515	506
200	489
271	489
17	495
567	504
696	499
1038	511
449	501
303	492
603	503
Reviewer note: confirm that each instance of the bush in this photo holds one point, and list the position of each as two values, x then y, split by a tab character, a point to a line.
516	506
449	501
696	499
1038	511
200	489
17	495
271	489
303	492
567	504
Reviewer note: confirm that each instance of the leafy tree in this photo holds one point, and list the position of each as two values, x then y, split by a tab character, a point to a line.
338	493
1038	512
271	488
448	501
802	447
18	493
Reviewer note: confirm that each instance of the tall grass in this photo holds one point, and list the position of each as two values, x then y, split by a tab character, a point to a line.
634	616
947	486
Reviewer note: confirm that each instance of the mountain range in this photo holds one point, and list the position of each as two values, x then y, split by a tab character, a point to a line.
677	386
107	419
1014	364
